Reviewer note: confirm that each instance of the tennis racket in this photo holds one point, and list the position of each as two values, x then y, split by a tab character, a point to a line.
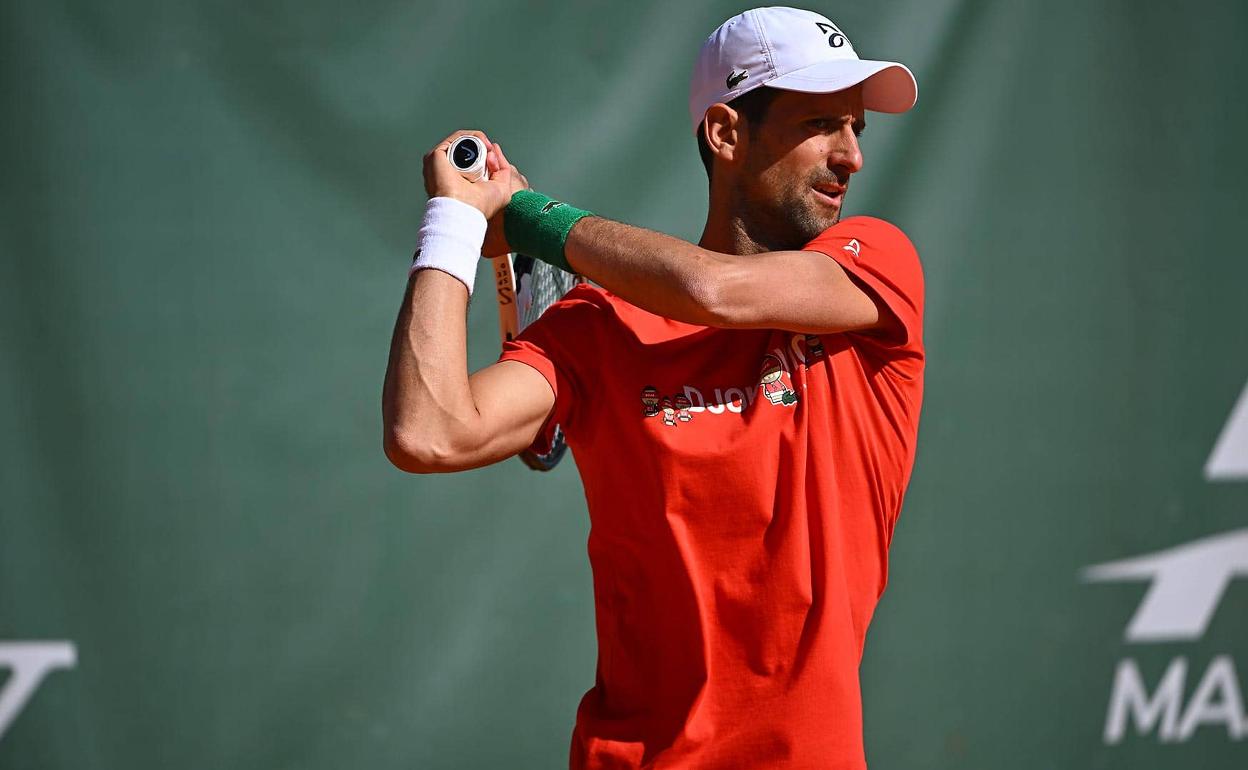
525	287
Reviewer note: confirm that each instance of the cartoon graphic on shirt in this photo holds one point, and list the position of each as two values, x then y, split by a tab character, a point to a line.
774	382
814	348
649	401
682	405
669	412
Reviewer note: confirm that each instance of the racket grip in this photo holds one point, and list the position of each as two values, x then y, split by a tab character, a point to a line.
467	154
505	290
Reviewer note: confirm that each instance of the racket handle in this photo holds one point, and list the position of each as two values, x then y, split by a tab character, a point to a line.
505	291
467	154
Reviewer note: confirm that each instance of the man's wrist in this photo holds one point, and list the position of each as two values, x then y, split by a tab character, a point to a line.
450	239
538	225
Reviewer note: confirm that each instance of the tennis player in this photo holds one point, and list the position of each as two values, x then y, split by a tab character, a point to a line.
742	411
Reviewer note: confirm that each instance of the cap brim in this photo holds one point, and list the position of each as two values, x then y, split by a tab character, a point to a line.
886	86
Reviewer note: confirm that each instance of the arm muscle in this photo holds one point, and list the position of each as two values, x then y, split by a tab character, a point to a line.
801	291
437	418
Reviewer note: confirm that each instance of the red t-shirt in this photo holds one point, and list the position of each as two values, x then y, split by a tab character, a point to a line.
742	488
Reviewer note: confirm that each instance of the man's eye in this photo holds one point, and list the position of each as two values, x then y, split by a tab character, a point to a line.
821	123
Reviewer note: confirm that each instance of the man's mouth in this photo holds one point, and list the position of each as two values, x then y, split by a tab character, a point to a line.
831	194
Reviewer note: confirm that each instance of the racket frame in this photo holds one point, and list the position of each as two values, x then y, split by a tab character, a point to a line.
506	291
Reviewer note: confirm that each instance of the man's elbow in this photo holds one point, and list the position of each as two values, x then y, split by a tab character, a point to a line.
716	300
420	452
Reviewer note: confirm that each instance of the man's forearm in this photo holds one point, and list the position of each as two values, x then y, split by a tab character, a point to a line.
800	291
664	275
426	394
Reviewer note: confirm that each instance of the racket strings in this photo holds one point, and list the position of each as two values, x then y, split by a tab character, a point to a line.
546	285
537	287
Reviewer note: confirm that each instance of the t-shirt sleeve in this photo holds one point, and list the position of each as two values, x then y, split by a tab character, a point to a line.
557	345
881	259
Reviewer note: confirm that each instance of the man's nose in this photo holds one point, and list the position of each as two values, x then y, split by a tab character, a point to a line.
846	153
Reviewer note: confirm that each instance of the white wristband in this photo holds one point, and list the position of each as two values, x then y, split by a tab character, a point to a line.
450	239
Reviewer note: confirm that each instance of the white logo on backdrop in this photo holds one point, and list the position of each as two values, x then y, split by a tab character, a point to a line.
1186	585
29	662
1229	458
1215	701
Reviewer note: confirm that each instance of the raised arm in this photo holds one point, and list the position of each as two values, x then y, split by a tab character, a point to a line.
437	418
800	291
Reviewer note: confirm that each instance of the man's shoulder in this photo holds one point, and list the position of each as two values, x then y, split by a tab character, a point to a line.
875	228
595	299
593	308
881	258
872	243
585	300
583	306
589	293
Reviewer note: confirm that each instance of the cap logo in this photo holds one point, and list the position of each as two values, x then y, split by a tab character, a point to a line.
836	38
736	77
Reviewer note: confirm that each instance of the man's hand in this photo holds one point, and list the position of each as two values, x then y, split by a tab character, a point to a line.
495	240
489	196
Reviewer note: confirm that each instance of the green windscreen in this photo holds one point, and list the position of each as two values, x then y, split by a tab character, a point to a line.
206	560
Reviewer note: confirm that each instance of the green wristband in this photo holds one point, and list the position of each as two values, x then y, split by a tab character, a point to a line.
538	225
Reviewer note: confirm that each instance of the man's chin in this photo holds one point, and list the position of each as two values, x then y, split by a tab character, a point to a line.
796	222
811	224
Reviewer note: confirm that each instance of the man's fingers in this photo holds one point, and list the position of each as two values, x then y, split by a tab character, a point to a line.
502	177
492	162
469	131
502	159
447	141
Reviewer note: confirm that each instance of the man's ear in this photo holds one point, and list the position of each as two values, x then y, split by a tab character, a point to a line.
724	135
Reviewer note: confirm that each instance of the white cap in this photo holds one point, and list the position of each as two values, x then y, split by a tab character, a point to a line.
793	50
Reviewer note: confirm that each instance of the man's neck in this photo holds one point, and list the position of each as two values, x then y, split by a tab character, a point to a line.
730	240
726	233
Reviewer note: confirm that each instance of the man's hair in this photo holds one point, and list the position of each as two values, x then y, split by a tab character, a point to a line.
753	105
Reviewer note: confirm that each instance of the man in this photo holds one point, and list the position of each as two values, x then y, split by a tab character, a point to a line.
738	555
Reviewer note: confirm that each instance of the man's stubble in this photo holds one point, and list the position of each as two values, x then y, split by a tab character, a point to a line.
787	221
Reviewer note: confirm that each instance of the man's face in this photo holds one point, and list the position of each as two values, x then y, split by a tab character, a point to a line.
797	165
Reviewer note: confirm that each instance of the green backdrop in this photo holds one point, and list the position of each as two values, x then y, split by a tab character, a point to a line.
208	211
